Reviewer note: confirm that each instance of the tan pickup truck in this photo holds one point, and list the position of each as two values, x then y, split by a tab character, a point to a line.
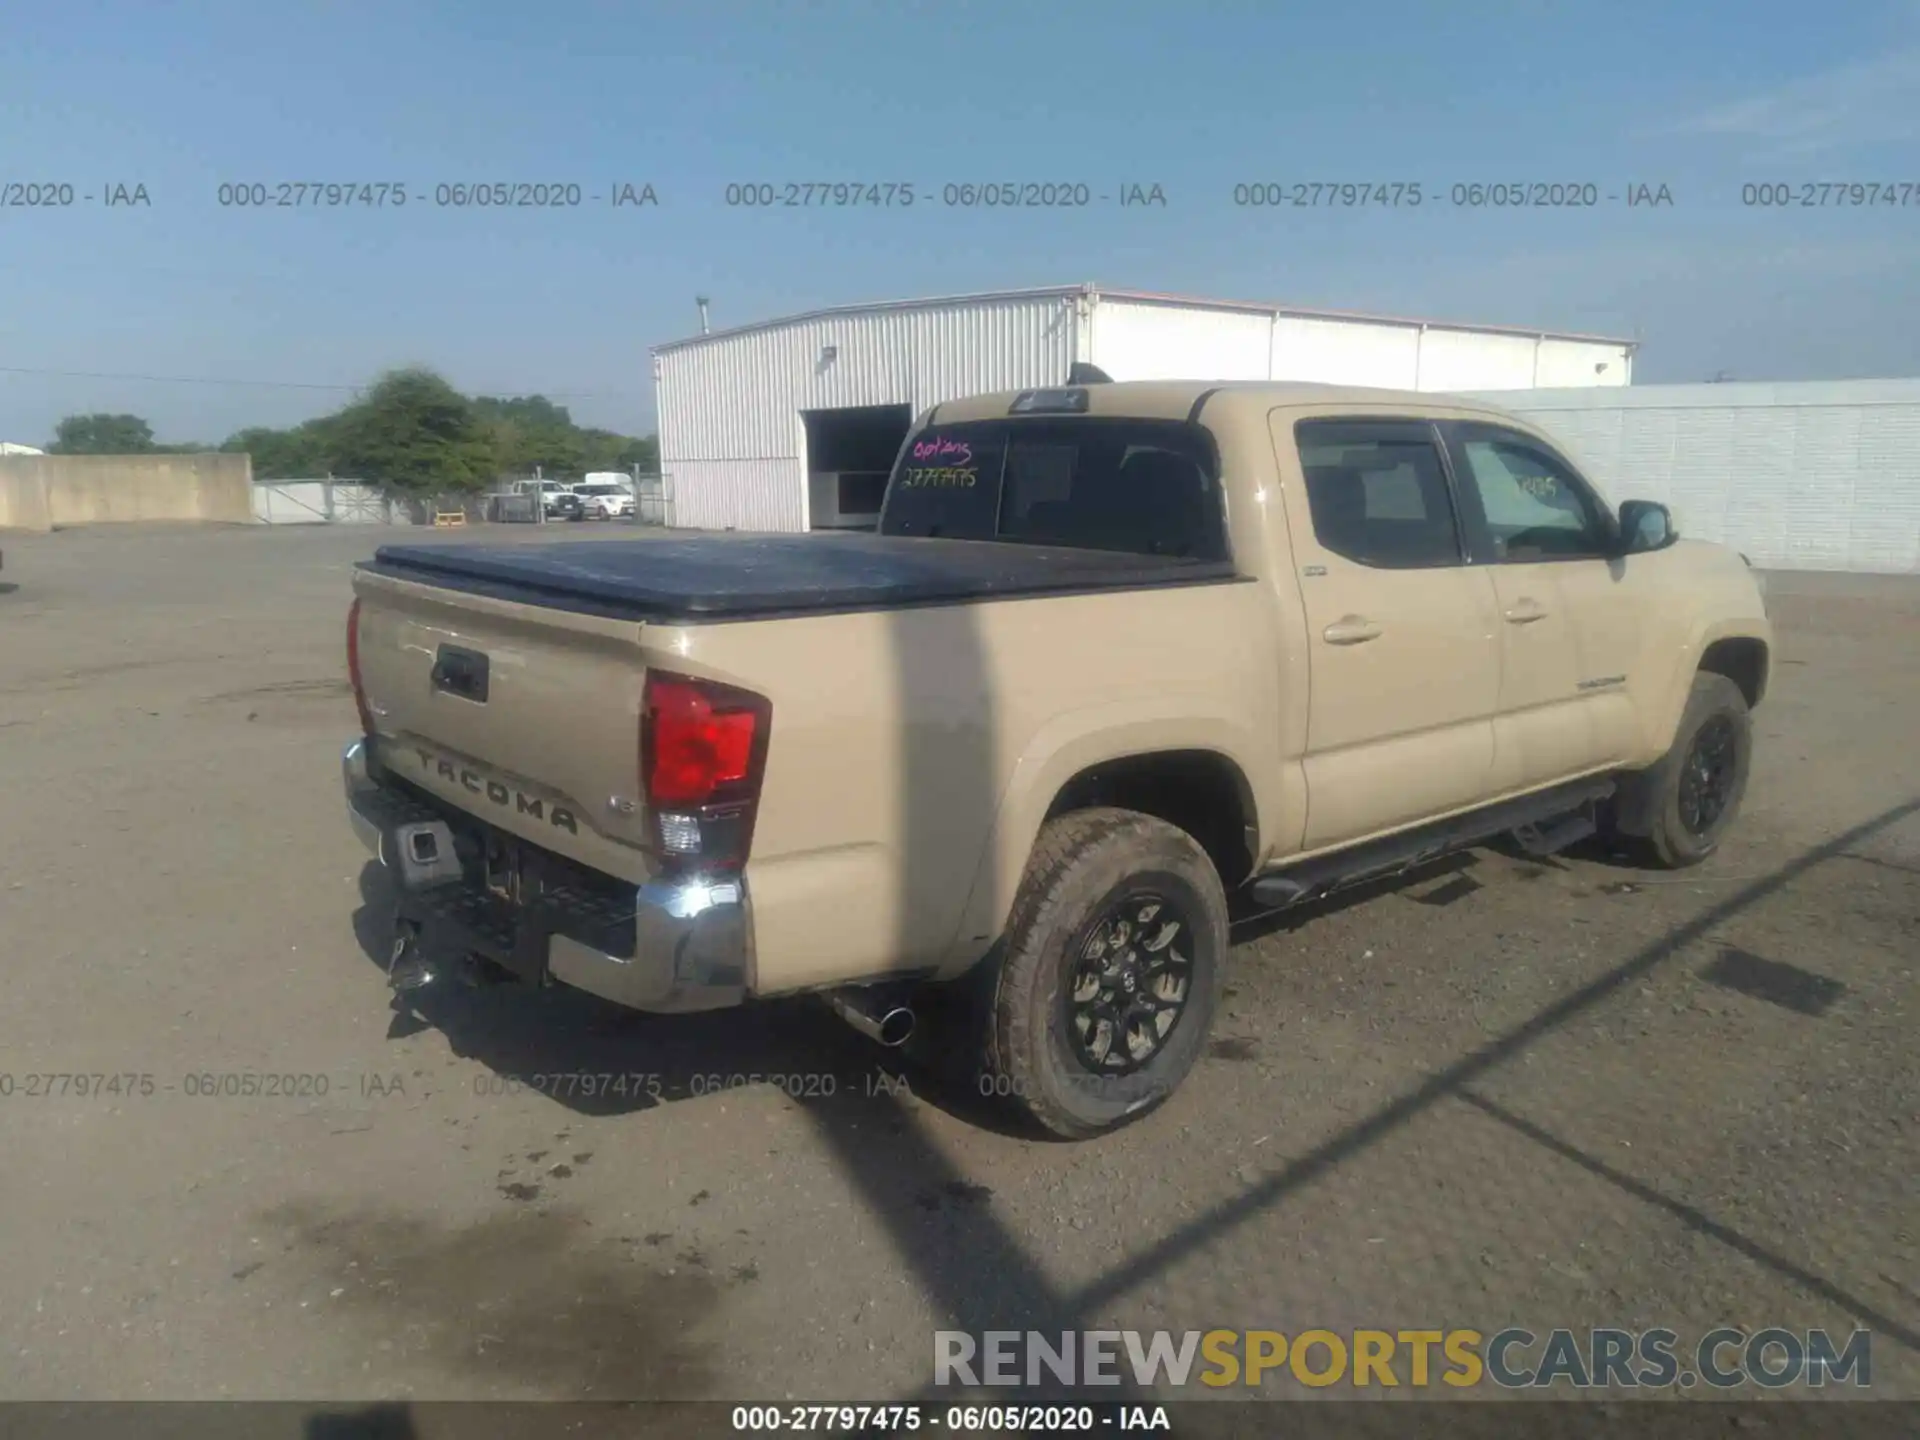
1116	653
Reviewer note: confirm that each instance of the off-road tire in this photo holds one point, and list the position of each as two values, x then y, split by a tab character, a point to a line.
1669	844
1083	863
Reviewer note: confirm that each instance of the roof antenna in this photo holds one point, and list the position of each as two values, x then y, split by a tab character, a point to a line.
1084	374
701	301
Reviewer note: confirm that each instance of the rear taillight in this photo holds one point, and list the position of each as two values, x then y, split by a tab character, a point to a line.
353	668
703	750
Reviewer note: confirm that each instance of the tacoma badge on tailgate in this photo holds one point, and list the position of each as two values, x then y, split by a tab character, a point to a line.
498	791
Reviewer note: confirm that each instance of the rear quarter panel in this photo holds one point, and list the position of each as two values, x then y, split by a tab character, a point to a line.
914	753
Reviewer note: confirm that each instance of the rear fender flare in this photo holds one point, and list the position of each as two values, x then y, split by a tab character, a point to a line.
1067	745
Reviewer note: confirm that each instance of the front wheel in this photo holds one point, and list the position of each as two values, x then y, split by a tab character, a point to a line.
1688	801
1107	983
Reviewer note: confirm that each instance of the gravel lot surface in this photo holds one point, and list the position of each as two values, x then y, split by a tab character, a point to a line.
1567	1093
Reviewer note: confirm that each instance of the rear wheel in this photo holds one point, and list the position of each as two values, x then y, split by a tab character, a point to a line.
1108	980
1689	800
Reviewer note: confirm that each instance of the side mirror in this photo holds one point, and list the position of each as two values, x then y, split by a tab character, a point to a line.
1645	525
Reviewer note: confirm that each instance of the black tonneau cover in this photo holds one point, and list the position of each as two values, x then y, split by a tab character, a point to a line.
737	577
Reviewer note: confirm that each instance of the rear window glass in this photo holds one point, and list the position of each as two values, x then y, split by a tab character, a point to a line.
946	482
1145	487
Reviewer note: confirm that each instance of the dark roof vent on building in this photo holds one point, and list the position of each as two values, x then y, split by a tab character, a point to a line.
1085	374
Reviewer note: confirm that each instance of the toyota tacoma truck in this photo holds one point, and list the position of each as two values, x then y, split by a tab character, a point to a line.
1117	656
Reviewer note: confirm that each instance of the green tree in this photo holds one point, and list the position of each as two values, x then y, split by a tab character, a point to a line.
606	450
530	430
534	412
642	451
414	433
302	453
502	436
507	444
102	434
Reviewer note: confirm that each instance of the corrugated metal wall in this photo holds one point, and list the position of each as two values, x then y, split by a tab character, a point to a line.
733	446
1335	352
1454	360
732	443
1143	340
1132	341
1581	363
1814	476
736	494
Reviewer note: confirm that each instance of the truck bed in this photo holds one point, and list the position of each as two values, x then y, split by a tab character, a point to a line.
740	576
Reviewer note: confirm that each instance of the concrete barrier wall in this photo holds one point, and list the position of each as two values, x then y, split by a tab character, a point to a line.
23	500
41	492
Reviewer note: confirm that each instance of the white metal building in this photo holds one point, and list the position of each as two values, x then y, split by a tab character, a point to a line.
1818	475
792	424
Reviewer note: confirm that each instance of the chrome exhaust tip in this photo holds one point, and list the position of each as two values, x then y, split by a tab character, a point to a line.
878	1017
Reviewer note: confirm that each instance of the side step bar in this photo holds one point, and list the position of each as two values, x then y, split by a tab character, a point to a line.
1555	835
1542	823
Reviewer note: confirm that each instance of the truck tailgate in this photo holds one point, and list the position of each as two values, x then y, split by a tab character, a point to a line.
524	716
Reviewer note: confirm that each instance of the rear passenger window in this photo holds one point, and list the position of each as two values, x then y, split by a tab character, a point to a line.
1378	494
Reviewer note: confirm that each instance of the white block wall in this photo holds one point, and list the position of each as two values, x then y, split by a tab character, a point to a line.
1813	476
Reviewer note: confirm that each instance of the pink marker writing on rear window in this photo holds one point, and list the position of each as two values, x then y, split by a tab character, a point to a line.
958	451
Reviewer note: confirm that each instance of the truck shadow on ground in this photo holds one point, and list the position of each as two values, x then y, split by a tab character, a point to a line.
1438	883
599	1059
1456	1081
1450	875
943	1224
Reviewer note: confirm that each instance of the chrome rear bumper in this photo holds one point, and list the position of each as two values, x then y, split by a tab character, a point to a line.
684	945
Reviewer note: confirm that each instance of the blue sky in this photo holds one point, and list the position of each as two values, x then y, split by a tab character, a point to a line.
1191	95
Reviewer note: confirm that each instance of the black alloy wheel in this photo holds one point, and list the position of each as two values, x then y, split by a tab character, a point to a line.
1130	983
1707	775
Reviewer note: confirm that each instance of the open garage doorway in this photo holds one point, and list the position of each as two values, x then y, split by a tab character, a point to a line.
850	453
